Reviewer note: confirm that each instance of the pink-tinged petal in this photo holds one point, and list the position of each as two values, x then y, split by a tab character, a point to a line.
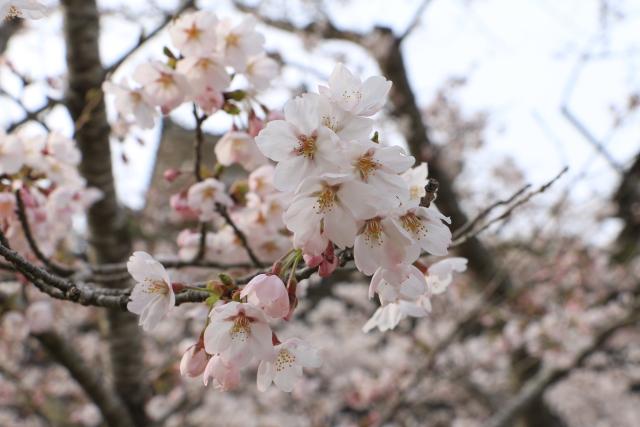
266	372
277	140
217	337
376	280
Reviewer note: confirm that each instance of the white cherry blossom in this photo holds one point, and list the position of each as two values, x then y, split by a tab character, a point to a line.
132	103
428	229
351	94
194	34
239	147
325	209
440	274
29	9
285	368
152	297
12	154
380	242
300	144
163	86
260	71
204	72
239	332
416	179
203	197
239	42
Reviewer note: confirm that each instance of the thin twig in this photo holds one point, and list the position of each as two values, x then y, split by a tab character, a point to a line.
471	234
222	210
24	222
482	215
416	19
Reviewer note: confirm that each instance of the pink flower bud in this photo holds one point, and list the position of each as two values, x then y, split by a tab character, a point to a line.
225	375
194	361
268	292
40	317
171	174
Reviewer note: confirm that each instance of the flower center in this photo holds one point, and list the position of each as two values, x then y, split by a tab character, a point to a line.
352	96
165	79
241	328
366	165
413	224
208	193
325	199
373	231
330	122
157	287
193	33
306	146
232	40
13	12
284	360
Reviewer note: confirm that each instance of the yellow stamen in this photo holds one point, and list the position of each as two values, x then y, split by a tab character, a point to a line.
284	360
241	328
306	146
326	199
373	231
193	33
366	165
412	223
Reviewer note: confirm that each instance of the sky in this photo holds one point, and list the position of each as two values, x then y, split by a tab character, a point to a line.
523	60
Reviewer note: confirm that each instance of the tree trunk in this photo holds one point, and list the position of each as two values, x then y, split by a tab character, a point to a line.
109	235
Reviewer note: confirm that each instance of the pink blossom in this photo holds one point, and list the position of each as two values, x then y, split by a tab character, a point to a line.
225	373
194	361
268	292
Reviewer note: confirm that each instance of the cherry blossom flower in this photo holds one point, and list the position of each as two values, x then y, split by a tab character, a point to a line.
204	72
346	125
194	360
29	9
389	316
324	209
285	368
440	274
351	94
132	103
268	292
260	71
225	373
427	227
416	179
239	147
194	34
239	42
203	197
210	100
380	242
261	180
379	166
12	154
239	332
163	86
152	297
300	144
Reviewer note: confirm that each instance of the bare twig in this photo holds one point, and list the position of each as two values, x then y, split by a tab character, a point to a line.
416	19
471	234
222	210
482	215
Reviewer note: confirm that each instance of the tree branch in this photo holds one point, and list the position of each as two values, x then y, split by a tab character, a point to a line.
113	410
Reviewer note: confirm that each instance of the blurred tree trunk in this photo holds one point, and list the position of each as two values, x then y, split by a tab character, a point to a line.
109	236
7	29
627	198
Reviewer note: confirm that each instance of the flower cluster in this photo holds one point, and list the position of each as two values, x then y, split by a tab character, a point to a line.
351	190
43	169
212	54
30	9
320	188
237	332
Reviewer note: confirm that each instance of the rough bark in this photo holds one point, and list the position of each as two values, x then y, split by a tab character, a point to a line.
108	230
